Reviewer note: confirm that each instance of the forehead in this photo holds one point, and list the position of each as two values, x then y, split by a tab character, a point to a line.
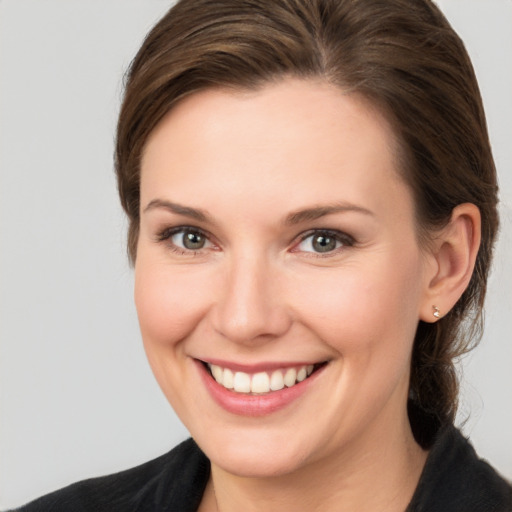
305	137
283	103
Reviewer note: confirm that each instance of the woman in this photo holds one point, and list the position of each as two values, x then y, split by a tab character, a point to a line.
312	206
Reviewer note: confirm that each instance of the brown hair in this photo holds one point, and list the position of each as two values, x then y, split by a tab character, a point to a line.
400	54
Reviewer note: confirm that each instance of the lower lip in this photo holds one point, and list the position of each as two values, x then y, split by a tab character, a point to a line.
255	405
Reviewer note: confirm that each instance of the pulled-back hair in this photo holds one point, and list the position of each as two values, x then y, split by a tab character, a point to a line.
404	57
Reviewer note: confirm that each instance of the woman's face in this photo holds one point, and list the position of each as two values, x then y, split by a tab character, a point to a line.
277	240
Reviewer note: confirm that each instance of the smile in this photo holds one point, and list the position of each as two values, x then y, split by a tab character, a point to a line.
260	382
265	390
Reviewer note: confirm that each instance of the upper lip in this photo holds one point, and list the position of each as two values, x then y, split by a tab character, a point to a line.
261	366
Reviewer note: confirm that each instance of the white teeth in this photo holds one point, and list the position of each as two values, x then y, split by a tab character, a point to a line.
290	377
217	373
301	374
242	382
227	379
276	381
261	382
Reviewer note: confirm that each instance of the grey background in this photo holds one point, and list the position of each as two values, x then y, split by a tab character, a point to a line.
77	398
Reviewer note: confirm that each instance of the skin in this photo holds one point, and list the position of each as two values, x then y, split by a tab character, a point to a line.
257	292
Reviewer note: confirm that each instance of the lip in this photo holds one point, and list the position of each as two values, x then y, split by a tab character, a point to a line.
254	405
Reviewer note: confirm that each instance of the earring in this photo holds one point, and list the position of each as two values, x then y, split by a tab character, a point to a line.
436	312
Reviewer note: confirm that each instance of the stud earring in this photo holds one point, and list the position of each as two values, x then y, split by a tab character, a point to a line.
436	312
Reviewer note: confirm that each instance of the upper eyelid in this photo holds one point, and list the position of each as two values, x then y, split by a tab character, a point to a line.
169	231
341	235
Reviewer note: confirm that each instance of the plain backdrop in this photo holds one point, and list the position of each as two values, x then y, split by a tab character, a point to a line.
77	398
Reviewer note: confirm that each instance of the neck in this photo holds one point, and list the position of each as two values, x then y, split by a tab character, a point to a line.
378	471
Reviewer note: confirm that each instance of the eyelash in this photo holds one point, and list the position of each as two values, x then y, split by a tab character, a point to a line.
344	239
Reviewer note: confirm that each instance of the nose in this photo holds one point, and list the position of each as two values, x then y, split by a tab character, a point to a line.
250	308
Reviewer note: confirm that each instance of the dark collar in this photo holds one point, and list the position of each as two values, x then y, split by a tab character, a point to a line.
454	479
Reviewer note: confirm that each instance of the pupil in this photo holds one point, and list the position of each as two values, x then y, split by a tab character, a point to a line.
324	243
193	240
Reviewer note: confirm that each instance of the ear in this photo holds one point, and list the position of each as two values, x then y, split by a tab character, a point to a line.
453	255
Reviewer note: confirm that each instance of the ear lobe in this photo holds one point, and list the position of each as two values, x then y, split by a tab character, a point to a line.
454	251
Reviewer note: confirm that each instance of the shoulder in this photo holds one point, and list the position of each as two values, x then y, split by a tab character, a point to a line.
174	481
455	479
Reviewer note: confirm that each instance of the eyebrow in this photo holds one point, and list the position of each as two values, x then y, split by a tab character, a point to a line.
179	209
293	218
316	212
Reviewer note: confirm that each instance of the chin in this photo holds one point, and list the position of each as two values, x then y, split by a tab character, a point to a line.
257	463
257	455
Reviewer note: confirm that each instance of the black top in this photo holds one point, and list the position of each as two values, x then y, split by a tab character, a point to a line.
454	480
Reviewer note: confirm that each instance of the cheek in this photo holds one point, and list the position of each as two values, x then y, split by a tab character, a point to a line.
360	309
169	303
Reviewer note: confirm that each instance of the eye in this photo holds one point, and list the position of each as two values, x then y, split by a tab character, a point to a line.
191	240
185	239
322	242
